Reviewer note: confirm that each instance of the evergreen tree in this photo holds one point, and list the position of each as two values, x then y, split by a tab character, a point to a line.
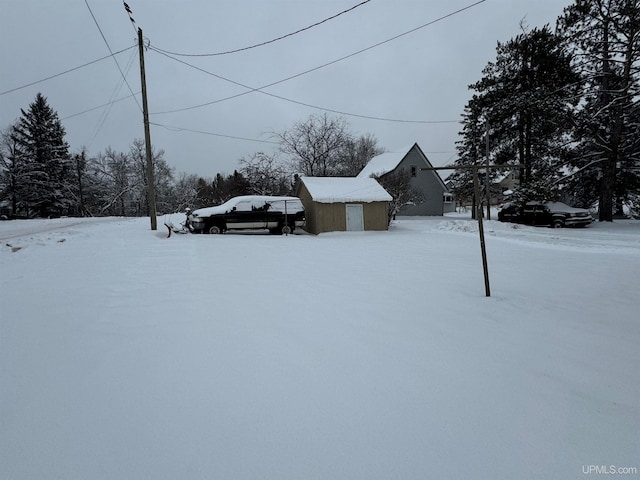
524	102
604	36
237	185
461	181
221	189
80	163
205	193
42	150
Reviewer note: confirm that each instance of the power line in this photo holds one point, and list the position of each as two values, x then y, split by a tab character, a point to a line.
279	97
368	117
50	77
114	58
262	43
260	89
173	128
180	129
107	110
97	107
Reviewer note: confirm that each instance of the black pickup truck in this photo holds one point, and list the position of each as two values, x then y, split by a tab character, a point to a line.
250	212
553	214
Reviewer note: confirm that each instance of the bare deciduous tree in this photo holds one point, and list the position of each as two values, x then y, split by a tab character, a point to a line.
398	184
356	154
265	173
315	145
13	176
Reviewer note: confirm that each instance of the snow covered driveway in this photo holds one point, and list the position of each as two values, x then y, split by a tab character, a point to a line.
25	228
126	354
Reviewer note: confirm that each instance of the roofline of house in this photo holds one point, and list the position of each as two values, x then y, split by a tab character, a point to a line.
426	159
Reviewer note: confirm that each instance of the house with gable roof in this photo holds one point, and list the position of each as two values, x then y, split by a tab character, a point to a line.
435	197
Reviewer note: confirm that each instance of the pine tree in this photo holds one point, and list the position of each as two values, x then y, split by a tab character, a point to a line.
604	36
524	102
44	155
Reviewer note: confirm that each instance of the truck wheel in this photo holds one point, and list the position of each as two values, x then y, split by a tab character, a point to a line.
286	230
558	224
215	230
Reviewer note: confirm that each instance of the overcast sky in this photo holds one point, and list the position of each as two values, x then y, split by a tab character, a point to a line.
418	77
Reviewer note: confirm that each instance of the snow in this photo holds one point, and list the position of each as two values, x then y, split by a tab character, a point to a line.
366	355
278	203
563	207
345	189
383	163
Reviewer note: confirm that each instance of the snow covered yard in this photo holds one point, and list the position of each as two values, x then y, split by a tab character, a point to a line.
126	354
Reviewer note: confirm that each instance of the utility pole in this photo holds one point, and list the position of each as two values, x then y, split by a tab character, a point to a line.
478	213
151	189
483	248
488	179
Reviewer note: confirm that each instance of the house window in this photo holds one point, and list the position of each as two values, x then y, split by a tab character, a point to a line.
447	197
414	170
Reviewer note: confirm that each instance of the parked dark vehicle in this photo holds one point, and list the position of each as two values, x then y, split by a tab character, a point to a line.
553	214
510	213
276	214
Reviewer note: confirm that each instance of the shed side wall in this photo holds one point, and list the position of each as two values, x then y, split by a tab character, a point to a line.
309	208
376	216
331	217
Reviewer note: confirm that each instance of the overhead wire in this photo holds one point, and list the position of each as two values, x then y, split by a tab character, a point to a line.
280	97
114	58
261	89
50	77
98	107
368	117
180	129
228	52
249	89
107	110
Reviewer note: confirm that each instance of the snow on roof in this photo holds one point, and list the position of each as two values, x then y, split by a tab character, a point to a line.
277	204
345	189
384	163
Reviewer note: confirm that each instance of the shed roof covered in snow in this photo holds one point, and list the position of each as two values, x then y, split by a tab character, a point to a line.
337	204
345	189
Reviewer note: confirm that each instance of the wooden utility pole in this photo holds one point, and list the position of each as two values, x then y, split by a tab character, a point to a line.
151	189
488	178
483	249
